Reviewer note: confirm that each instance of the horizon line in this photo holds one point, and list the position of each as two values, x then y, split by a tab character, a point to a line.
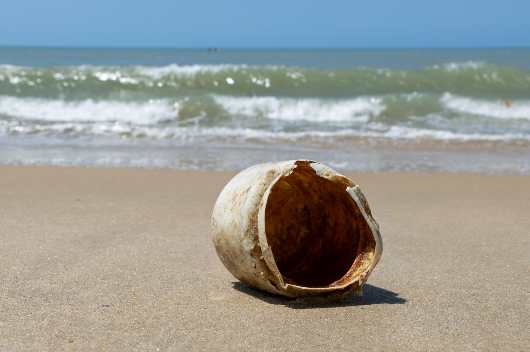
261	48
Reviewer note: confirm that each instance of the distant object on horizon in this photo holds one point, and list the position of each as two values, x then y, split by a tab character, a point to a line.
214	49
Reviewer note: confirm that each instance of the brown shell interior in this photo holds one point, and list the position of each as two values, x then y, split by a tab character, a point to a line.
317	234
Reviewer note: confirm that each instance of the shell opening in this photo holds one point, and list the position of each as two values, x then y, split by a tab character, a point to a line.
317	234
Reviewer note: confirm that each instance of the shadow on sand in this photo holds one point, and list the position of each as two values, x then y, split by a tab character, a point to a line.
371	295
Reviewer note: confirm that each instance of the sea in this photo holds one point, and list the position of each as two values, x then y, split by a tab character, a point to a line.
360	110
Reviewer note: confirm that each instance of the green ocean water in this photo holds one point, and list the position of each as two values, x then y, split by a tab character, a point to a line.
131	102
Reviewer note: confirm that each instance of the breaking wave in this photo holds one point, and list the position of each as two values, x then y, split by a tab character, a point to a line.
474	79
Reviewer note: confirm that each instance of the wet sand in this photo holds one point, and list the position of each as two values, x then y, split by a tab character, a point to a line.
121	259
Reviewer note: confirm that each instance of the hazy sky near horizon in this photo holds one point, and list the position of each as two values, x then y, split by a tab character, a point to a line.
266	24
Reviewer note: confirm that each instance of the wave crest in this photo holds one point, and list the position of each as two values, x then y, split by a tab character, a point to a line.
467	79
86	110
304	109
488	108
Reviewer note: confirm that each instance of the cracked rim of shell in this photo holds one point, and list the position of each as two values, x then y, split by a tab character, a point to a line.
316	231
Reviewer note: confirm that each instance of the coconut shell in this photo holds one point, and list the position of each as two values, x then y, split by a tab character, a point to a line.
296	228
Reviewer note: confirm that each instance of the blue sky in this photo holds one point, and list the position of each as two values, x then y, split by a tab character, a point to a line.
266	24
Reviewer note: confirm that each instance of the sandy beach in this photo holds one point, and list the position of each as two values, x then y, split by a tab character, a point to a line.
121	259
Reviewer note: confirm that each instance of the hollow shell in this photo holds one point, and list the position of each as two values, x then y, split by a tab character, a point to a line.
296	228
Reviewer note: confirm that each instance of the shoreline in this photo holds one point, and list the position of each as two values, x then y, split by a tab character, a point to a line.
237	158
121	258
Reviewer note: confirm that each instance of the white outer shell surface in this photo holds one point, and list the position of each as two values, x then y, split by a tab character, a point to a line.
238	231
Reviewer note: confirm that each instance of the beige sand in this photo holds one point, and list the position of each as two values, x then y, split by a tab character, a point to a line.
121	259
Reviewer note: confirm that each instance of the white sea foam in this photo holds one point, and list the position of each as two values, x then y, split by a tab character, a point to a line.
423	133
302	109
393	132
118	119
223	134
184	71
6	68
457	66
488	108
86	110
